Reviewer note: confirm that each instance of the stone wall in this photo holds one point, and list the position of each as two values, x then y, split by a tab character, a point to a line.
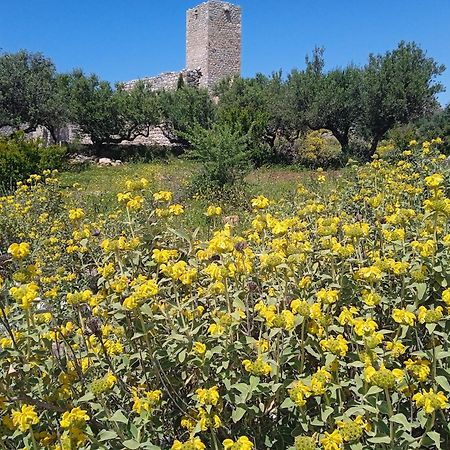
169	80
213	40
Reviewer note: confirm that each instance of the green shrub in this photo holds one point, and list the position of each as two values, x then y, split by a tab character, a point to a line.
224	155
20	158
318	148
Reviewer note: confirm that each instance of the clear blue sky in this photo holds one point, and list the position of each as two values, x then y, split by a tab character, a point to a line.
126	39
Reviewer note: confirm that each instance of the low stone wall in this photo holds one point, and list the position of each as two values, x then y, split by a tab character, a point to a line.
71	134
168	81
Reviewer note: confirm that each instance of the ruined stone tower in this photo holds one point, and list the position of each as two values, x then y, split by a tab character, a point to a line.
213	41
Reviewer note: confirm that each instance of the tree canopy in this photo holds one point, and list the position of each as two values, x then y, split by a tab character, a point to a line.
358	105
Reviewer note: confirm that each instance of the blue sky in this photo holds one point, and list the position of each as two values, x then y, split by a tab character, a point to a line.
125	39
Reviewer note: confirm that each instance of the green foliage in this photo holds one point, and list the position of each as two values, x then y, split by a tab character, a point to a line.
318	149
438	125
183	108
253	107
30	93
358	105
107	115
223	154
399	87
324	324
392	89
20	158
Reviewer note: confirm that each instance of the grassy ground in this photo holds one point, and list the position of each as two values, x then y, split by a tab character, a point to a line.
174	175
99	186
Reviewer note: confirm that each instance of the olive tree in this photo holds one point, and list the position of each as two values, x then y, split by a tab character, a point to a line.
398	87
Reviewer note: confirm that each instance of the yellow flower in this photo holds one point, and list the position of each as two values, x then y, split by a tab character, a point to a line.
356	230
162	256
135	202
299	392
208	396
192	444
216	329
199	348
327	296
370	274
305	282
396	348
176	210
25	294
332	441
319	381
403	317
104	384
383	378
352	431
258	367
364	327
262	345
434	181
243	443
346	315
371	298
305	443
19	251
425	315
137	185
260	202
300	307
208	420
336	345
146	402
420	368
431	401
24	418
213	211
446	297
76	418
162	196
76	214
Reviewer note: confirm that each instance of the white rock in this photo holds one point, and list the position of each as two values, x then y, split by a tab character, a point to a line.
105	162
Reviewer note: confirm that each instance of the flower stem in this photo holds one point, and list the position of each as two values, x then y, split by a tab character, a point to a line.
390	413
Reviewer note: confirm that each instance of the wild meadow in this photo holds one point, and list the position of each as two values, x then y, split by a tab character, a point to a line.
317	320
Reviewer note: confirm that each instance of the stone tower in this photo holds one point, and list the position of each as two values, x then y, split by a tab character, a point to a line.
213	41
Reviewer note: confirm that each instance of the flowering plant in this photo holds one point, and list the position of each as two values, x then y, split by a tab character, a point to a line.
324	324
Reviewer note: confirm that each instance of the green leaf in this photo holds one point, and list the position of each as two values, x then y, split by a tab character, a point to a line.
443	382
380	440
182	356
146	310
132	444
254	381
356	446
288	403
421	289
87	397
327	411
374	390
238	413
106	435
402	420
119	416
435	437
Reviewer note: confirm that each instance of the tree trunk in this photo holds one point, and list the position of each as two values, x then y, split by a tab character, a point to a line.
373	146
52	131
343	141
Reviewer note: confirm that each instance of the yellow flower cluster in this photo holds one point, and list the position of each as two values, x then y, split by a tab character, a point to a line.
314	322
